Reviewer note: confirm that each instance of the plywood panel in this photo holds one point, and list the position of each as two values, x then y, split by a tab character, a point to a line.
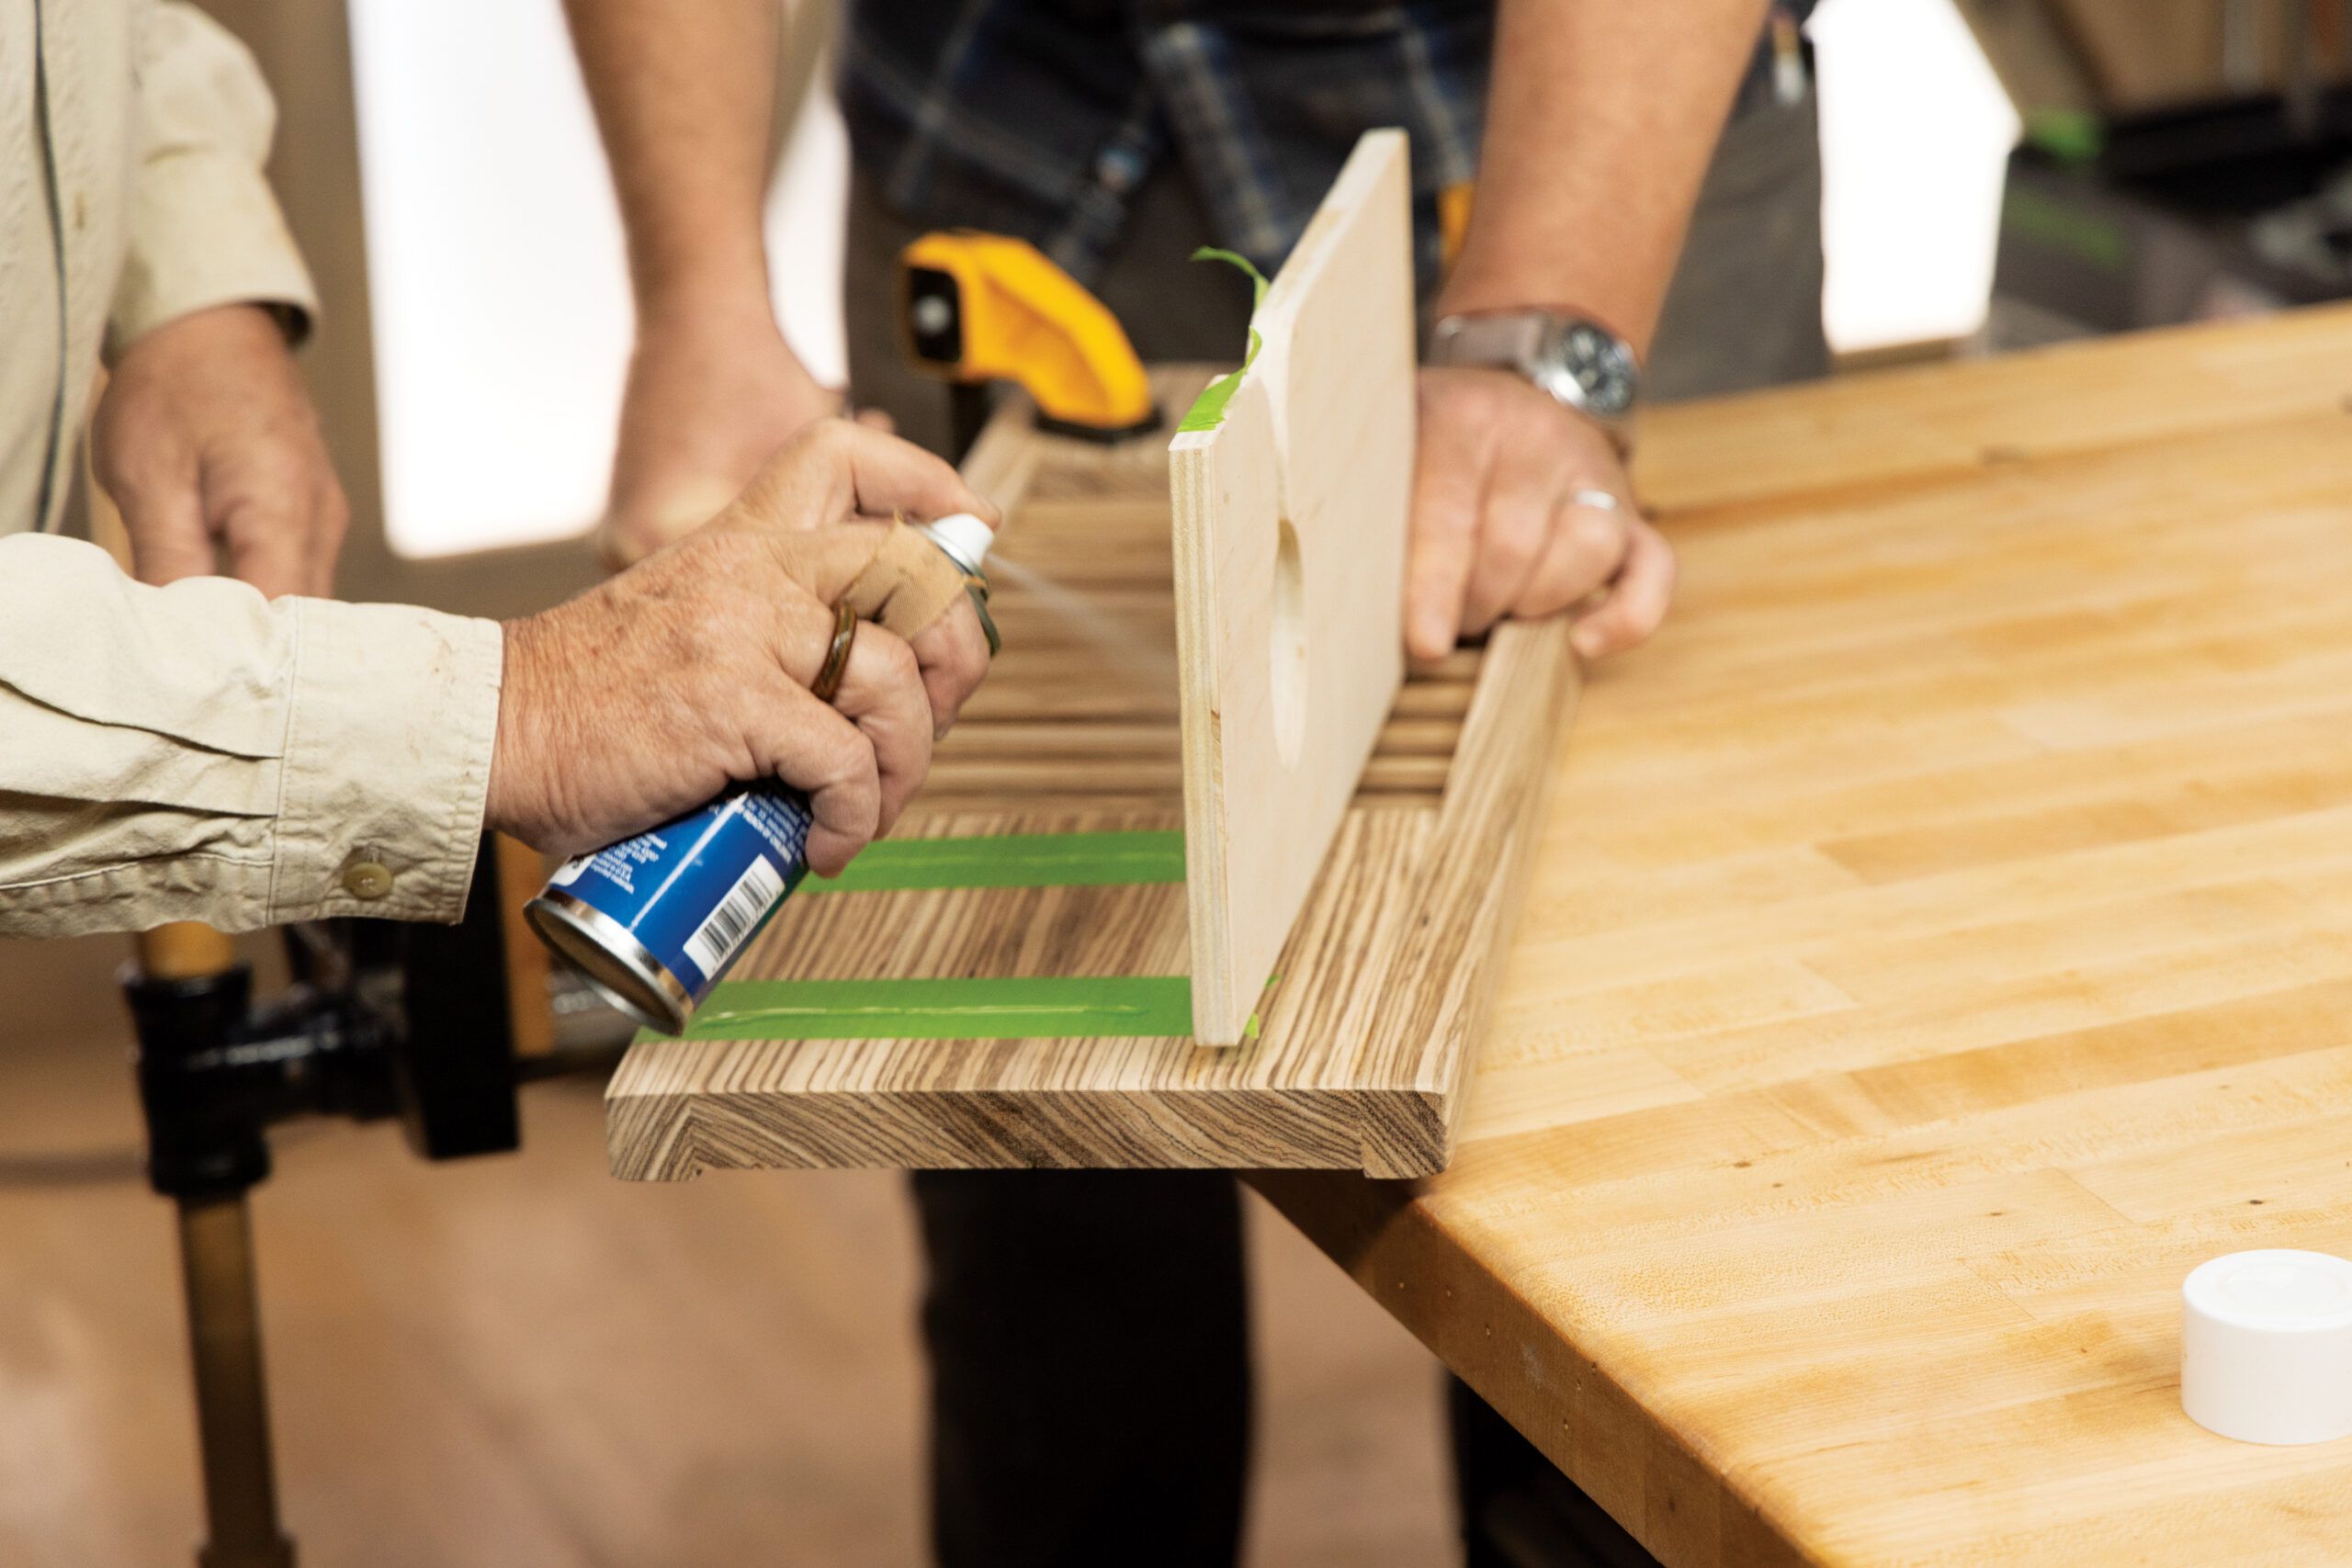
1290	548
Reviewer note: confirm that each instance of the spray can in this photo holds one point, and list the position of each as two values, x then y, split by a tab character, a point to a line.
655	920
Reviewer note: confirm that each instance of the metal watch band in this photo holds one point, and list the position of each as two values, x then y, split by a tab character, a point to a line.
1532	342
1507	339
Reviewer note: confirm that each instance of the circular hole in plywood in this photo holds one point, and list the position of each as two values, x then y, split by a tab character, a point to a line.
1287	658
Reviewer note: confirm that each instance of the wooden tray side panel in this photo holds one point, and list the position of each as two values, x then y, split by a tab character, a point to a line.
1438	989
1289	548
1389	977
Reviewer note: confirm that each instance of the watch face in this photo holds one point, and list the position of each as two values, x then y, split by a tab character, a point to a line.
1601	368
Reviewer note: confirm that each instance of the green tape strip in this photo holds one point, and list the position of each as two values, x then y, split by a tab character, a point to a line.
1011	860
1208	409
1234	258
1052	1007
995	1008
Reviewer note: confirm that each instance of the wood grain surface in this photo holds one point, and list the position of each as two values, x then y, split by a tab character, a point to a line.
1940	940
1361	1057
1289	535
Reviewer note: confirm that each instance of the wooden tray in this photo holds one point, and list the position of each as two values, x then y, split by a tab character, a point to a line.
1365	1037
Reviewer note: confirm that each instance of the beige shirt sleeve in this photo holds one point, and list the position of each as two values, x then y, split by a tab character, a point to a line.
203	228
196	753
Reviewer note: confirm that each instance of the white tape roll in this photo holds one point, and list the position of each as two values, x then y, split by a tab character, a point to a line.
2265	1347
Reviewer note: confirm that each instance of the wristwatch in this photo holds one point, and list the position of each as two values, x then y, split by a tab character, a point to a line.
1583	365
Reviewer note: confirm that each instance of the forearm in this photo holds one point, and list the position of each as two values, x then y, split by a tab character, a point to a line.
685	96
1601	118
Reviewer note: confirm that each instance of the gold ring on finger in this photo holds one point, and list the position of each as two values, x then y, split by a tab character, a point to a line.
828	679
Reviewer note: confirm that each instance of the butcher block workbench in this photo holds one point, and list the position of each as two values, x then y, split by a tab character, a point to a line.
1939	942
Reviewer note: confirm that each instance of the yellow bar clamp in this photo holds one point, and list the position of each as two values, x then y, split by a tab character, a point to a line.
985	306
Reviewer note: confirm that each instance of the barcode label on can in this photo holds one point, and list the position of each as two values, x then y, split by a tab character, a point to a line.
738	915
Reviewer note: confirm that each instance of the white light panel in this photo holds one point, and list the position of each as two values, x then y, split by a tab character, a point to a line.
1915	133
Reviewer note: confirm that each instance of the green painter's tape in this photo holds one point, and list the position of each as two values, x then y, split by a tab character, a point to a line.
1050	1007
1234	258
993	1007
1208	409
1011	860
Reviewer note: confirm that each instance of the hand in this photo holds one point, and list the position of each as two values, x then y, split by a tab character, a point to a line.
1497	532
708	400
207	441
645	697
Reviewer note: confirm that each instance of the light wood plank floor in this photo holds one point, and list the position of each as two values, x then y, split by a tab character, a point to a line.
522	1363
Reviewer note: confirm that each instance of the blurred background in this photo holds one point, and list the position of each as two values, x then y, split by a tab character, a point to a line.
520	1362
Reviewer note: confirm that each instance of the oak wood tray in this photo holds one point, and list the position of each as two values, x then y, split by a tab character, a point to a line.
1366	1034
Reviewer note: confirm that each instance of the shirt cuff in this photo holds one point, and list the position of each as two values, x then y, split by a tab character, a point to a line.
387	762
204	231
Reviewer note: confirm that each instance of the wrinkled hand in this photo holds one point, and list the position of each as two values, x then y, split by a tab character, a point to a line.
1497	531
647	696
707	402
208	443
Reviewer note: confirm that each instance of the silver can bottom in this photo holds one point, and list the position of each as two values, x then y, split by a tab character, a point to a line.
612	959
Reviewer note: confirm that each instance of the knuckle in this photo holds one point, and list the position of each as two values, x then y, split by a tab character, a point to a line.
268	467
849	752
1514	539
263	502
895	661
861	813
140	469
1595	533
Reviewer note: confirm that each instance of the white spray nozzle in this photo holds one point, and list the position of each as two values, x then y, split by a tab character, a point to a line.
964	537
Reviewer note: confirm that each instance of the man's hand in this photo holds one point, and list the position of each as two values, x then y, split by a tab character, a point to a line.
207	441
1497	530
647	696
709	400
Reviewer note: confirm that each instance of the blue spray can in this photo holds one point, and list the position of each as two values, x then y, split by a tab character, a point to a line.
655	920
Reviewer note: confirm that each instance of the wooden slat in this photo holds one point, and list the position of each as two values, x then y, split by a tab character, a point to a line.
1940	941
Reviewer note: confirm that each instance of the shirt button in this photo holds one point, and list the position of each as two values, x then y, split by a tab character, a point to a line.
368	879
